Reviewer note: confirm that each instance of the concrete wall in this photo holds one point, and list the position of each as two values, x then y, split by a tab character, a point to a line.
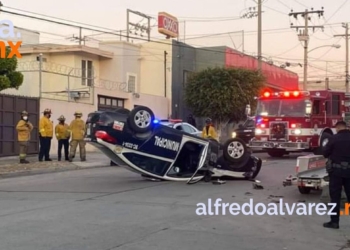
183	62
63	108
210	57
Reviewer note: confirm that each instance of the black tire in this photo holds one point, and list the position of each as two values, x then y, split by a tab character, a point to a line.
140	119
276	153
238	154
325	136
304	190
257	170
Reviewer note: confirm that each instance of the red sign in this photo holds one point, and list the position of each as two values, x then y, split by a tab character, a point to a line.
276	76
168	25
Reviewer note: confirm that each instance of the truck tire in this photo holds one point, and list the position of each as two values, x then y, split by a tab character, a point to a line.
235	151
304	190
141	119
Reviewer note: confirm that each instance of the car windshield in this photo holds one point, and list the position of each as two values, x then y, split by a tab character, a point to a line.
291	107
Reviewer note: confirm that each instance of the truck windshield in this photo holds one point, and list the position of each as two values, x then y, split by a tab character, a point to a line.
274	107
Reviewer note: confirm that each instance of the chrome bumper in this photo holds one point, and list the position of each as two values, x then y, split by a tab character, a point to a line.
289	146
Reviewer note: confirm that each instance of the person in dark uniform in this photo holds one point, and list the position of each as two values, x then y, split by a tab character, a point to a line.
191	120
338	168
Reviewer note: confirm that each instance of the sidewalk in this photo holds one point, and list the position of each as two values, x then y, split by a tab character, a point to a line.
10	167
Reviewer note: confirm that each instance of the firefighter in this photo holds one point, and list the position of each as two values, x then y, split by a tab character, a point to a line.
209	130
338	168
45	135
24	128
62	136
77	129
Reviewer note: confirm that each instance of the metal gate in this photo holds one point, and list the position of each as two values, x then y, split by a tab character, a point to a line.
10	113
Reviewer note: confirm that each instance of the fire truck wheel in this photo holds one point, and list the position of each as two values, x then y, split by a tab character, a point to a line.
304	190
235	151
276	153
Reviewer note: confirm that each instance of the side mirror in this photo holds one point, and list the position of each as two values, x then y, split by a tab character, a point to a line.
247	110
240	126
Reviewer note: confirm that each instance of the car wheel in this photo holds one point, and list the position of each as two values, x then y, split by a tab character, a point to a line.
140	119
256	169
235	151
304	190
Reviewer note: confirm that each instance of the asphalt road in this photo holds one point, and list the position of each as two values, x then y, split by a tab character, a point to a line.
111	208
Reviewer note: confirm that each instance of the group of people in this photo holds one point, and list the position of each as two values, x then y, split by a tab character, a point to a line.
63	133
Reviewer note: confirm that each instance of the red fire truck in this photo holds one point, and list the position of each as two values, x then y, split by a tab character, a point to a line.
297	121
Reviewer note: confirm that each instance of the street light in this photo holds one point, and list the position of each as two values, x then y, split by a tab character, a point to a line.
337	46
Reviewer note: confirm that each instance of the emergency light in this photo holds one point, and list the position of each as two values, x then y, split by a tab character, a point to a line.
286	94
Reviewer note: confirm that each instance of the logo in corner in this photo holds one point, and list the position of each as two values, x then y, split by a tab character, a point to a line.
7	32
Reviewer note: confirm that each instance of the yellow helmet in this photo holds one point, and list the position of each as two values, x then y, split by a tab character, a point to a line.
47	111
61	118
78	113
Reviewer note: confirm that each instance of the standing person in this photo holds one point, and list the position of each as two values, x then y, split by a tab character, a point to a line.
191	120
62	136
45	135
338	168
209	130
24	128
77	129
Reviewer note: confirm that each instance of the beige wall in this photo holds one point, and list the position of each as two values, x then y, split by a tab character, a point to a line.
126	61
59	108
152	68
159	105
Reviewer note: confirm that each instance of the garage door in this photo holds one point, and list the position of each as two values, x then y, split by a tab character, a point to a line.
10	113
108	103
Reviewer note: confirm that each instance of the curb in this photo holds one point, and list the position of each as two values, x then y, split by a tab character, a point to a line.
50	171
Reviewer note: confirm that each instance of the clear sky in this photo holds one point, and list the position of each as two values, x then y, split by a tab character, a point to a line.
280	42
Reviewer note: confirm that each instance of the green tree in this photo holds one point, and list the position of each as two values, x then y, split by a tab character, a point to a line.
222	93
9	77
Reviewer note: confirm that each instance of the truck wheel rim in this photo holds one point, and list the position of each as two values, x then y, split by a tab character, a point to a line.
142	119
235	150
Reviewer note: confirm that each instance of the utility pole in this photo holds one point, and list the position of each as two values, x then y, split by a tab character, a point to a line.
259	34
251	12
304	35
137	26
346	35
165	83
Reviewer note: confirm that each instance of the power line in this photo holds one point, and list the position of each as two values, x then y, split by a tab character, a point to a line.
304	36
341	6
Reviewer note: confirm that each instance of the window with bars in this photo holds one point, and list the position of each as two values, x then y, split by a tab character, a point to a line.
87	73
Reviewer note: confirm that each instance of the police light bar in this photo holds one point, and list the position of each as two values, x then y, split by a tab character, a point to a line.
286	94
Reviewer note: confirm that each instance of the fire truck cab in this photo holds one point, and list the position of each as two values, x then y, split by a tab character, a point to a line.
297	121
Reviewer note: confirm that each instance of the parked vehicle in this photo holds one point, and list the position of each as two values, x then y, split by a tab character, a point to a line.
137	141
245	131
